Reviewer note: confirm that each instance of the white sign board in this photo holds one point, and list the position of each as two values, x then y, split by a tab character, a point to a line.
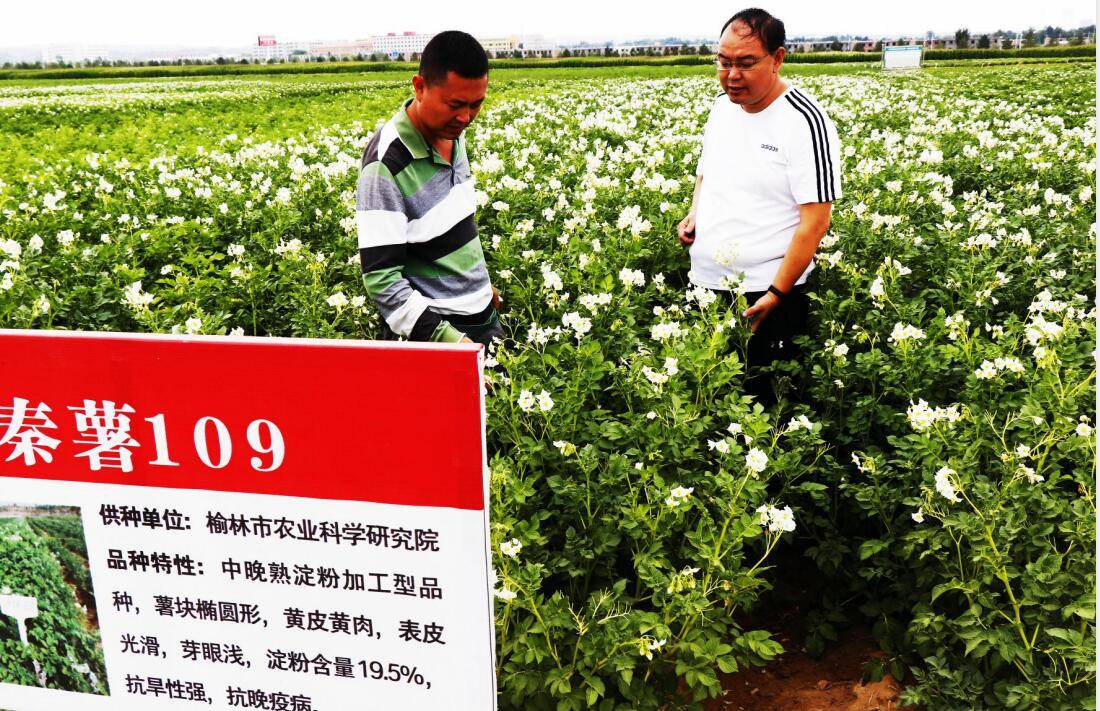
21	607
907	57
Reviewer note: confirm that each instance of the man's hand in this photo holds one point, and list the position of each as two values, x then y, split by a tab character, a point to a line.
465	339
496	298
686	230
760	310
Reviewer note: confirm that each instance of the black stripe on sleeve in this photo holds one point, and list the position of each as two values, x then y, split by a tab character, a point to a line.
813	136
397	157
383	257
425	326
830	182
458	236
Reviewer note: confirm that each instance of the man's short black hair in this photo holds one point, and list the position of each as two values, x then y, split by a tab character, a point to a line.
453	51
769	30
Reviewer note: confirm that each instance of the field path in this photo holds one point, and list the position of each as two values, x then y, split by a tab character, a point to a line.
798	682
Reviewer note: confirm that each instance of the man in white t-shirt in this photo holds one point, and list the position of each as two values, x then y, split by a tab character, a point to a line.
764	188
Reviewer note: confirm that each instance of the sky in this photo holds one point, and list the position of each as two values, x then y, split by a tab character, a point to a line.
237	22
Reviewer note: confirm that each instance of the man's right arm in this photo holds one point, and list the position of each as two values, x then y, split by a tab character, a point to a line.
381	225
686	229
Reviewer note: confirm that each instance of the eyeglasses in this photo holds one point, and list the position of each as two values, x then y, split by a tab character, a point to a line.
726	64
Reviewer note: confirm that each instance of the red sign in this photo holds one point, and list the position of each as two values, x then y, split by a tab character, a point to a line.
266	40
321	419
297	521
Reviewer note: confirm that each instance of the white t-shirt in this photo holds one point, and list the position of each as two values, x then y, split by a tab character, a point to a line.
757	169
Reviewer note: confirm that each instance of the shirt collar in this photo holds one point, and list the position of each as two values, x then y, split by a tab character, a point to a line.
408	134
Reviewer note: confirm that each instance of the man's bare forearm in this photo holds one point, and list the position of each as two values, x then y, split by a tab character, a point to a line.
695	194
804	244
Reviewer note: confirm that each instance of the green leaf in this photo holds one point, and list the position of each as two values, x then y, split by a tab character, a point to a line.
869	547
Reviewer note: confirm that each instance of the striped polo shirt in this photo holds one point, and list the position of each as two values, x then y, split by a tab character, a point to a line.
418	244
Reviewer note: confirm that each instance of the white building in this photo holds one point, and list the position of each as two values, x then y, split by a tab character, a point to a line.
499	45
403	44
343	48
271	49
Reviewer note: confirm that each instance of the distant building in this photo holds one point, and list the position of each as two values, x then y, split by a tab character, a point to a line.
396	45
499	45
928	41
343	48
403	44
268	48
627	50
407	45
536	46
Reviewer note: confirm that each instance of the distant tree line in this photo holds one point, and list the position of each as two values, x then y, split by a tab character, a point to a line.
1030	37
963	40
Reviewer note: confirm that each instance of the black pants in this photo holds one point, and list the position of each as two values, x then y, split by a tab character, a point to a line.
481	331
774	339
483	327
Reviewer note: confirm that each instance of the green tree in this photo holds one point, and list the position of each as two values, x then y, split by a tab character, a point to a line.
962	38
983	42
1029	38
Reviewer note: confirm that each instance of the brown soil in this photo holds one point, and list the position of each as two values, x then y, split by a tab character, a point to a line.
91	620
796	681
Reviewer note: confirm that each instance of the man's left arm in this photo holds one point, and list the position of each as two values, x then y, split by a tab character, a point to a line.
813	172
812	226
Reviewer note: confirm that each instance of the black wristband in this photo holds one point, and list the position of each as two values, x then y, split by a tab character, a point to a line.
777	292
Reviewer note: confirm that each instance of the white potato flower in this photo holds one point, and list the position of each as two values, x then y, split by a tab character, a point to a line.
511	548
756	460
945	486
526	401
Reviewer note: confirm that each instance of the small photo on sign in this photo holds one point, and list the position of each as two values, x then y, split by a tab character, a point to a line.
46	601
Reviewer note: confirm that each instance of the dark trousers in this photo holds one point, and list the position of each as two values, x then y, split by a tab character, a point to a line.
481	328
773	340
485	332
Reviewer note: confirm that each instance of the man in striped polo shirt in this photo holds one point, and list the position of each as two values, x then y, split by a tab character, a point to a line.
418	244
764	188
